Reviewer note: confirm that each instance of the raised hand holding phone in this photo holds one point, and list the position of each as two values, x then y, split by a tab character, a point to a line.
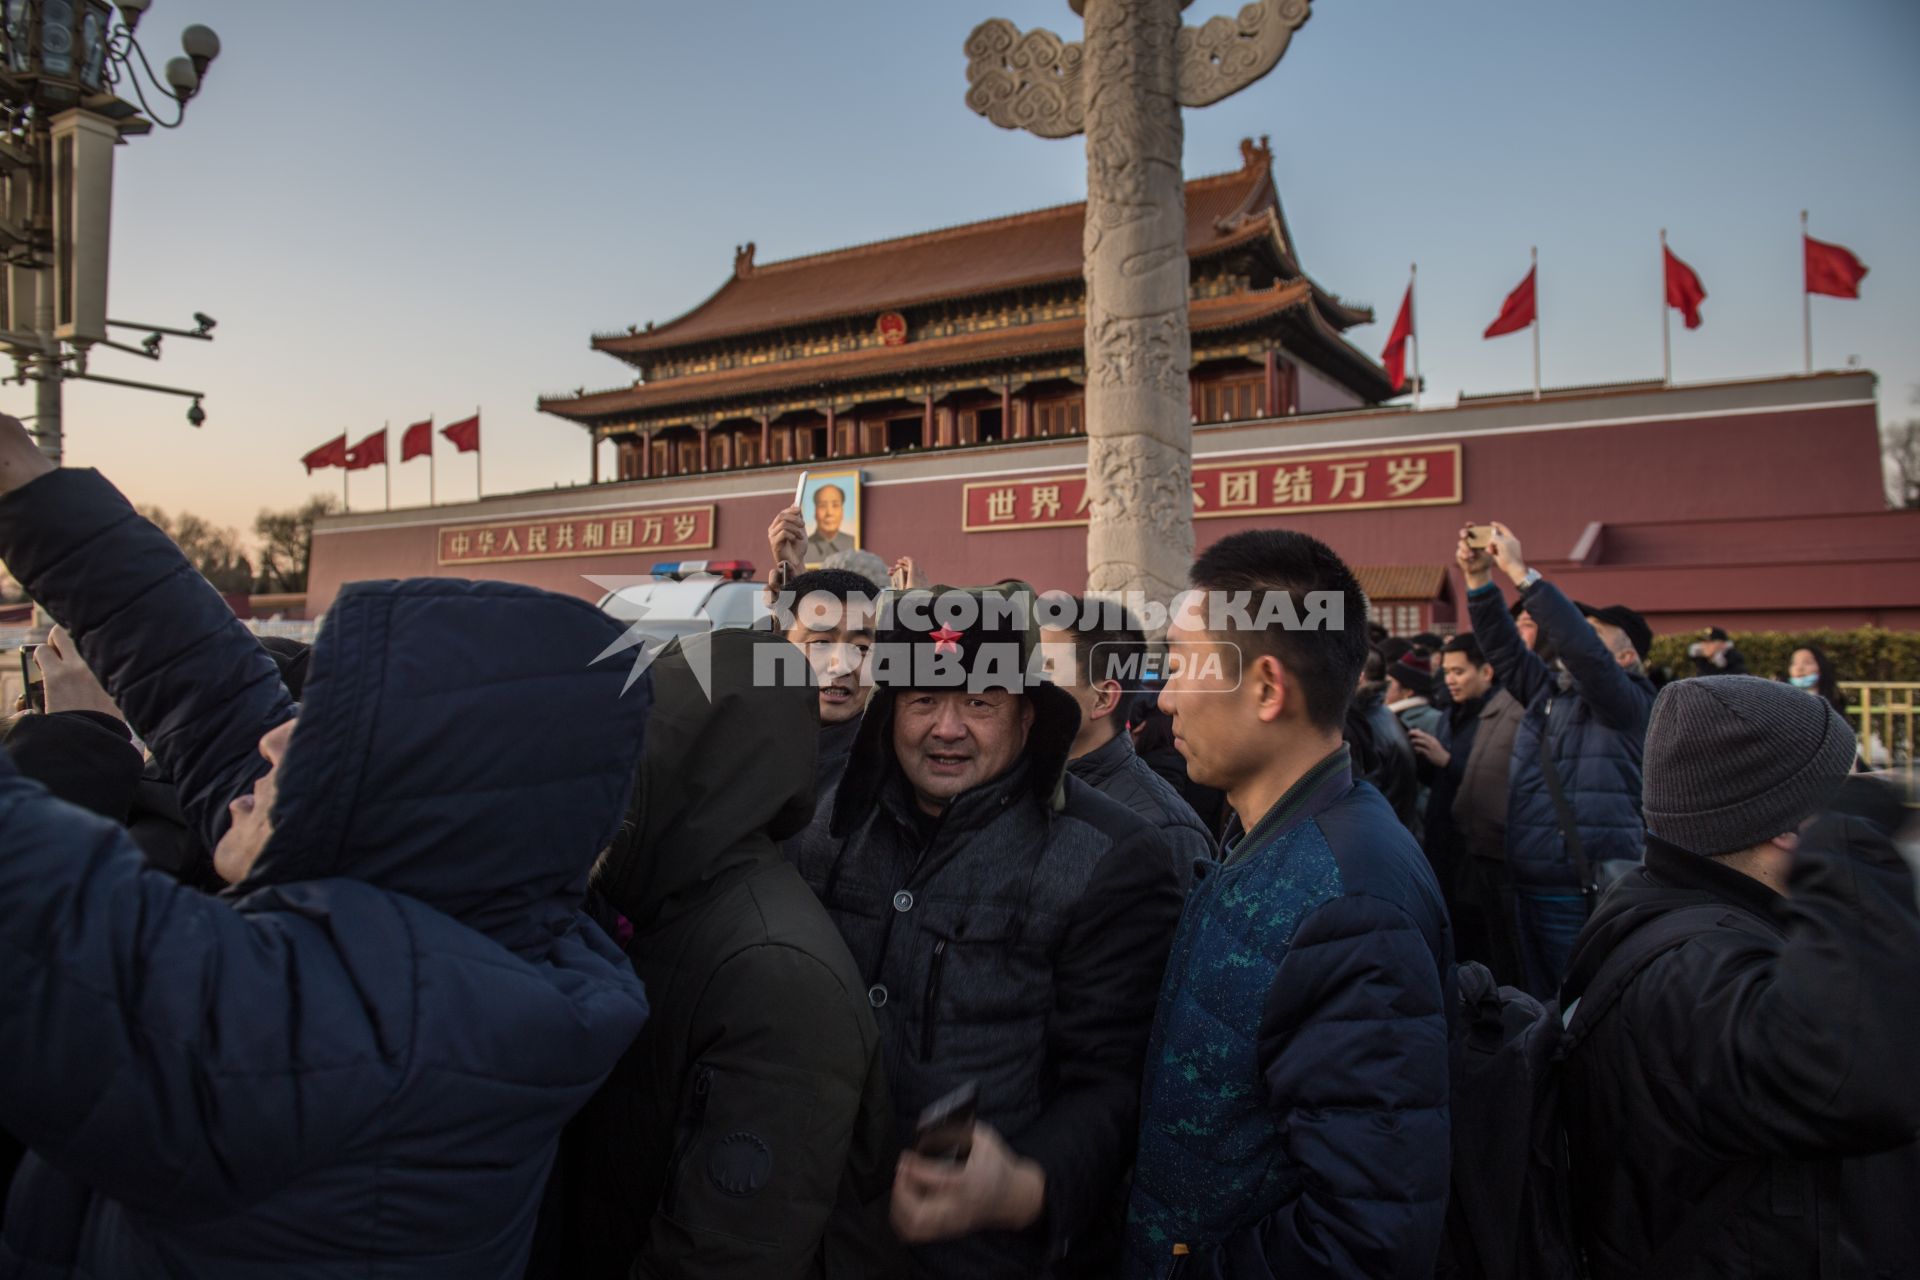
1471	554
70	684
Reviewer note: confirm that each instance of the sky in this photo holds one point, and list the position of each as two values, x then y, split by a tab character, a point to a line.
397	208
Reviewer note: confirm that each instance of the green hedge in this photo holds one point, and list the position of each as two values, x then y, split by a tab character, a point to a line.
1868	653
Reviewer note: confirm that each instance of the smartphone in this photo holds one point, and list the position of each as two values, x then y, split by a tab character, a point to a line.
1479	537
800	489
35	678
945	1130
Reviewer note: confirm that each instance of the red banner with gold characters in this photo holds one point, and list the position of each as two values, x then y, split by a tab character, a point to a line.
549	538
1426	476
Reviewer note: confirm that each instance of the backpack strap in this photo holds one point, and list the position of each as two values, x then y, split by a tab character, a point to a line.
1569	829
1611	978
1617	969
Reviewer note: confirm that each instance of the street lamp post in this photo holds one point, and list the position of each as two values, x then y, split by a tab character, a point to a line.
63	67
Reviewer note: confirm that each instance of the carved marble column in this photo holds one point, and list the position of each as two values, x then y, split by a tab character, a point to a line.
1124	87
1139	438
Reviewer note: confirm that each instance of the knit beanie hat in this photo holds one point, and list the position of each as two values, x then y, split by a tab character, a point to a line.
1733	761
1414	673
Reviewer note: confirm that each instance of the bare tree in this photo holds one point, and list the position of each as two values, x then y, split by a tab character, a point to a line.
1900	443
286	543
217	553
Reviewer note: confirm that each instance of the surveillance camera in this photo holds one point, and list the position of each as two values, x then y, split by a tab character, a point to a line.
205	321
195	414
151	344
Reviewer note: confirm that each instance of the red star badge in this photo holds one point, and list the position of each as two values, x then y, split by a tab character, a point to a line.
946	640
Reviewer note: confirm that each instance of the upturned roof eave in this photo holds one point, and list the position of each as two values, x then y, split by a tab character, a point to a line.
594	407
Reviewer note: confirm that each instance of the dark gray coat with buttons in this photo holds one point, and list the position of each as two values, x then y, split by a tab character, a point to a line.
1019	945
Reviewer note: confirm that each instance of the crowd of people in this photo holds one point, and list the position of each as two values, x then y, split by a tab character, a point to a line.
934	931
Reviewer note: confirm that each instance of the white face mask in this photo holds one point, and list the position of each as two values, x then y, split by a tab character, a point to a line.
1806	682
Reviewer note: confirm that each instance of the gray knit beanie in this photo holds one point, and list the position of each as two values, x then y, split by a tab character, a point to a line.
1733	761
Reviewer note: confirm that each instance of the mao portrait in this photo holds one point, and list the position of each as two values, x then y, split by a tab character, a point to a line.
831	508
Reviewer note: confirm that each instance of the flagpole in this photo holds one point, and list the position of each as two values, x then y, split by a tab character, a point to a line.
1666	322
1413	330
1535	273
476	458
432	499
346	501
386	468
1806	298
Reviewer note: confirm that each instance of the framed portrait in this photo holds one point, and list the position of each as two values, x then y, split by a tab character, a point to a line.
830	505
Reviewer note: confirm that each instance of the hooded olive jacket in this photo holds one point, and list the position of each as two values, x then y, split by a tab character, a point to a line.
754	1104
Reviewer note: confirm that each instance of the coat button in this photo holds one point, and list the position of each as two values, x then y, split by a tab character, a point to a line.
876	995
903	901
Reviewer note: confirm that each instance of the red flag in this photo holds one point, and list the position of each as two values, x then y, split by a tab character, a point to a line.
331	454
1833	270
465	434
1395	356
417	441
1685	293
371	452
1517	312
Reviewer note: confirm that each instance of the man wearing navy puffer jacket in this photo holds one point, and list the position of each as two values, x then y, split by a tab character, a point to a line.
1294	1115
1573	792
357	1060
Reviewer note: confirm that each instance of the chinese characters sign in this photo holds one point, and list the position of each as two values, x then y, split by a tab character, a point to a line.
611	533
1428	475
1025	504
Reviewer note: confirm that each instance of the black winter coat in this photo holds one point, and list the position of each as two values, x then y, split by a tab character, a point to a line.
754	1101
1019	946
1778	1050
1117	771
1383	754
83	757
835	742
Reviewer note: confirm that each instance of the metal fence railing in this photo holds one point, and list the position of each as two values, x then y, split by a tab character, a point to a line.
1882	713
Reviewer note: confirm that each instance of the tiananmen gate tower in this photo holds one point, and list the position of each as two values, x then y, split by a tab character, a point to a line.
938	379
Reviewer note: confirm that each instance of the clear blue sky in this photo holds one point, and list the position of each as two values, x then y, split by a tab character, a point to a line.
397	209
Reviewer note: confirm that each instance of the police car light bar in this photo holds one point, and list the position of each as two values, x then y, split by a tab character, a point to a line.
732	570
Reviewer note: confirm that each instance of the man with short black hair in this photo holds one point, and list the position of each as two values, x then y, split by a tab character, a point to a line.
1295	1112
831	614
1097	661
1467	809
1739	1096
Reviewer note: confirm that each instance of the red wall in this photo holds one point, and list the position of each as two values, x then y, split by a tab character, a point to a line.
1548	484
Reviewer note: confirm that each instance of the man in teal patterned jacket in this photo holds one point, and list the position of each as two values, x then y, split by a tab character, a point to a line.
1294	1113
